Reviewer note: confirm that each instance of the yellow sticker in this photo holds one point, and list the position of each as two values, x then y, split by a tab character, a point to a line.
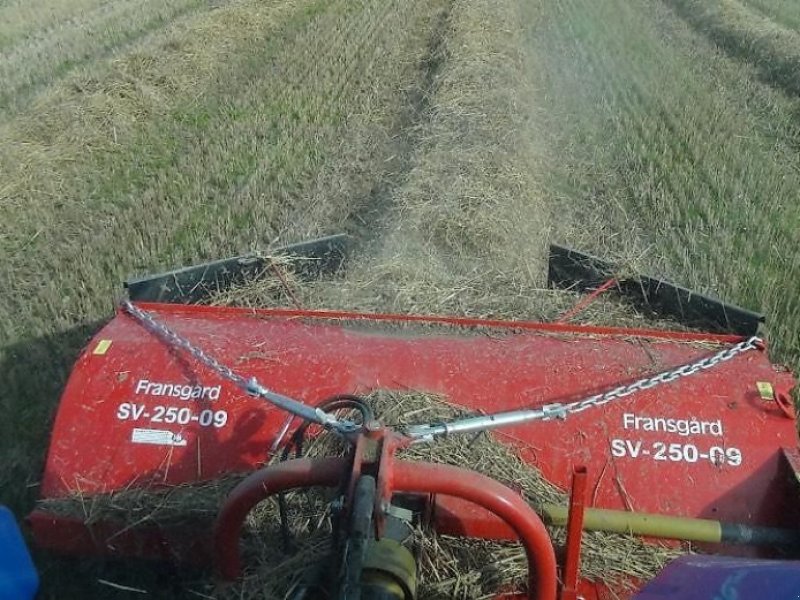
102	347
765	390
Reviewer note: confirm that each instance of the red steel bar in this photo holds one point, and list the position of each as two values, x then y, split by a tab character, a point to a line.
577	504
197	309
326	472
429	478
585	302
419	477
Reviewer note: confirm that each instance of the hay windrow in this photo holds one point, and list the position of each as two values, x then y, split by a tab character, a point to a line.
448	567
410	285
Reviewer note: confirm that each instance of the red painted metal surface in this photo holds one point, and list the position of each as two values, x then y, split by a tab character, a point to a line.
704	446
577	501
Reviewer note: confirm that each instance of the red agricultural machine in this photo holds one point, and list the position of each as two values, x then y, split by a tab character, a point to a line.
662	434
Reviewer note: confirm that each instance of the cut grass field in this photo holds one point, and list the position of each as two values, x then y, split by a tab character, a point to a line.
40	45
679	146
773	49
783	12
455	138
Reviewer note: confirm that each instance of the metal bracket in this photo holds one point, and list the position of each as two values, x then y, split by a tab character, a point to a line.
554	411
572	269
192	284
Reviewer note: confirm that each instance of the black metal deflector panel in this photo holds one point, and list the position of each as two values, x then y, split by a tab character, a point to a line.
192	284
575	270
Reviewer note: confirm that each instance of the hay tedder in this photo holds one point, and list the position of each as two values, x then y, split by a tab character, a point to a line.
678	438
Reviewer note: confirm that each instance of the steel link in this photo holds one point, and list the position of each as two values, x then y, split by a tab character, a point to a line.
551	411
249	385
666	377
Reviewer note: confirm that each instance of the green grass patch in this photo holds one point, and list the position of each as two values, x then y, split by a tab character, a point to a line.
783	12
745	33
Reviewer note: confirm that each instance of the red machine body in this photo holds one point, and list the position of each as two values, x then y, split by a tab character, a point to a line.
718	444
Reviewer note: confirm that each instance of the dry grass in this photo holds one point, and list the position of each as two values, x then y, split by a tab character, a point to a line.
658	140
750	36
224	133
20	19
406	283
39	47
465	230
784	12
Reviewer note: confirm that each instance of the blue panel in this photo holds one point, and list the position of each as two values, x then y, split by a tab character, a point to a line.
701	577
18	578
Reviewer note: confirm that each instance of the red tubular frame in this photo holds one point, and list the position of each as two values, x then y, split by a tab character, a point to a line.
577	501
429	478
417	477
326	472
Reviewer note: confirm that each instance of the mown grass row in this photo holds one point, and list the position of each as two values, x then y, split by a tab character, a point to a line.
468	226
784	12
29	63
253	123
679	148
465	230
773	49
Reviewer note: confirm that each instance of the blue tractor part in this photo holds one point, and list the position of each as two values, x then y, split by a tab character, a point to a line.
18	577
701	577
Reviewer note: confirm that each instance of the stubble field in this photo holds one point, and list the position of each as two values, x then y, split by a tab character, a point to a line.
452	138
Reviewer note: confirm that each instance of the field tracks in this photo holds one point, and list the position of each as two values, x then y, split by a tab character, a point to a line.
368	221
749	35
36	61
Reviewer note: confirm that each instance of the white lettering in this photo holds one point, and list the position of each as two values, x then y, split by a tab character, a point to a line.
633	448
618	448
628	421
177	390
680	452
124	411
683	427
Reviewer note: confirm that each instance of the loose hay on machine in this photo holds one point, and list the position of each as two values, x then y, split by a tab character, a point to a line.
432	444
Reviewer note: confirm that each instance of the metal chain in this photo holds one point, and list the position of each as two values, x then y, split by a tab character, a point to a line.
428	432
549	411
666	377
177	341
251	386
